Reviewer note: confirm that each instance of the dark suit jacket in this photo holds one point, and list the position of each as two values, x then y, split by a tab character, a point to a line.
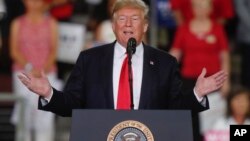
90	84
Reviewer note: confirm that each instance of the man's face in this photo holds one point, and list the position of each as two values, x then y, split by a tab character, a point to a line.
129	22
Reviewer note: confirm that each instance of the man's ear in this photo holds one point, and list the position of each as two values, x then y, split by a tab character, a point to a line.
113	26
145	28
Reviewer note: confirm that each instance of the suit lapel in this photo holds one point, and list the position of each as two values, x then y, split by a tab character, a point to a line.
148	78
107	75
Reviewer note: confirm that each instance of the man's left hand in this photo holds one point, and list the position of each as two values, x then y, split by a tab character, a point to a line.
205	85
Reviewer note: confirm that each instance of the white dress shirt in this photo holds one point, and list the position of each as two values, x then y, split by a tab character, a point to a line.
137	64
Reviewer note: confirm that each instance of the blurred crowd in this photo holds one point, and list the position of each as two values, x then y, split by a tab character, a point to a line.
214	34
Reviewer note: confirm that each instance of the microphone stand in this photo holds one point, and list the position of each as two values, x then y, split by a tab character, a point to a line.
131	47
130	73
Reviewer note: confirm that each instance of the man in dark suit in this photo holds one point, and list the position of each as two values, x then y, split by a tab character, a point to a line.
94	81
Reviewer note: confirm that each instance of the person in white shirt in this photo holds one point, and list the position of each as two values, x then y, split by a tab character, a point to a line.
238	113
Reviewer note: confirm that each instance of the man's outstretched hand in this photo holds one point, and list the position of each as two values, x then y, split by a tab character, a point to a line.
39	85
205	85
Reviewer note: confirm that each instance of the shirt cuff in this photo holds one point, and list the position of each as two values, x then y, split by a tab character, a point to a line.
197	97
46	100
201	100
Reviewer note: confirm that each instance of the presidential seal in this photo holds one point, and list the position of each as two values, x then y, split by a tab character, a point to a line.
130	130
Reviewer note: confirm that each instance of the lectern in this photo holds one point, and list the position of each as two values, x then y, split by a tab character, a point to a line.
134	125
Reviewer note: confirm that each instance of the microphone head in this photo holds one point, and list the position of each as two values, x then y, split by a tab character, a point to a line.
131	45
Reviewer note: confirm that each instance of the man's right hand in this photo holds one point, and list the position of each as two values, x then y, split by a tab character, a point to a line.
39	85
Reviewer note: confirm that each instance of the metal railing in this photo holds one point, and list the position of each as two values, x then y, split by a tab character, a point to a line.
6	97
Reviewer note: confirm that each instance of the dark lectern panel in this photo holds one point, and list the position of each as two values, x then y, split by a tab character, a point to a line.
165	125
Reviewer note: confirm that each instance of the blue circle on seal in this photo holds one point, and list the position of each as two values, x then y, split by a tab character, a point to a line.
130	134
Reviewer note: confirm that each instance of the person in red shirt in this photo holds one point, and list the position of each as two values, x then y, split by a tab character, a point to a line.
62	10
201	43
196	48
222	10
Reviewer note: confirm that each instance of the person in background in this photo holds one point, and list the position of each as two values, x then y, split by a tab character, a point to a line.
166	24
104	33
202	43
238	113
62	10
221	11
33	48
243	38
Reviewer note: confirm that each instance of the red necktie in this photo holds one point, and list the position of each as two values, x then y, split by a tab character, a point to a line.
123	101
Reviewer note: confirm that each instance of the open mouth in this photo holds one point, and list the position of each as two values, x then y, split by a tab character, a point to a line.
128	32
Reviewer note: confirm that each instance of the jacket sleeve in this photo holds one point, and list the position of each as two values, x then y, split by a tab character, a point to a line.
62	103
183	100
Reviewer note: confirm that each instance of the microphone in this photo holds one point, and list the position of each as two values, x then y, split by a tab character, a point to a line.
131	47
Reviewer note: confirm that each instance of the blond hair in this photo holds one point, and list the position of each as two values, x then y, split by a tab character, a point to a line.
138	4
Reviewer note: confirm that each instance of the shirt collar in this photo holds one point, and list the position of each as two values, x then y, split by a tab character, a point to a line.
120	51
139	50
